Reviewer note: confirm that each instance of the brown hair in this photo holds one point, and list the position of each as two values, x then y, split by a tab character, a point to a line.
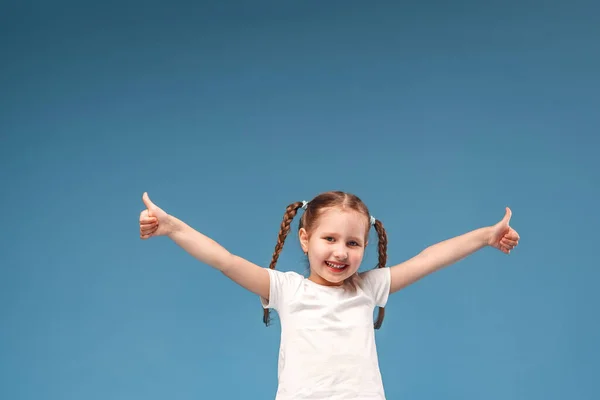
310	216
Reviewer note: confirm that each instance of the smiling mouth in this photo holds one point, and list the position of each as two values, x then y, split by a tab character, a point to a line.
335	267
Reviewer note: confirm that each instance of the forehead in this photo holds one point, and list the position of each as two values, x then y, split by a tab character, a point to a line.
338	220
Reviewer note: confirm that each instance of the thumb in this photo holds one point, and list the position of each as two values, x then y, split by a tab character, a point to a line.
507	216
148	203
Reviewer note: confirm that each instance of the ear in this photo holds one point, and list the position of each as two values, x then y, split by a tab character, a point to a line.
303	235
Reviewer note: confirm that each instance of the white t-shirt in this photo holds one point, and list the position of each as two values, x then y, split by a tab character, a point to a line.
327	348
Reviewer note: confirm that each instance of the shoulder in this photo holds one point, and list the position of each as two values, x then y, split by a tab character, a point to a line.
376	283
281	284
373	276
284	277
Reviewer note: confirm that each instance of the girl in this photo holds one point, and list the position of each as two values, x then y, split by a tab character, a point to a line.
327	348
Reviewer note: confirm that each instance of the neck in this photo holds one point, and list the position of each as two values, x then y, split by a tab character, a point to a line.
323	282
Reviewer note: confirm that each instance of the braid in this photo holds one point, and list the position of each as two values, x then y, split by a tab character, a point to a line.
382	247
290	213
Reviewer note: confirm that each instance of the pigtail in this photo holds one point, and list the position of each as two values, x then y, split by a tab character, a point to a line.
290	213
382	248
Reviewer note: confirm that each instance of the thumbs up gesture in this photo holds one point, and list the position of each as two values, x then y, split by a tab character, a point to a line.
503	237
153	220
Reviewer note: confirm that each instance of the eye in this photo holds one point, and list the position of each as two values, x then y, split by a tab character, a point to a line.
353	243
328	238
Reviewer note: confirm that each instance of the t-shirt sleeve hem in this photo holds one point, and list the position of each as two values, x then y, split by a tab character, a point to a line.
271	302
386	287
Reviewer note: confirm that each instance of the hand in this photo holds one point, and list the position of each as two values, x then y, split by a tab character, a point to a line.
153	220
503	237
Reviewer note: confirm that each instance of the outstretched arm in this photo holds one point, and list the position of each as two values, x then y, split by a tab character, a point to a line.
156	222
443	254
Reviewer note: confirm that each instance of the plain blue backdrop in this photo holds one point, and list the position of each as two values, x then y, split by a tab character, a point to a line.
437	114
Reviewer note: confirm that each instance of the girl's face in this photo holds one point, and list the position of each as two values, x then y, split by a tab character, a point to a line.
335	246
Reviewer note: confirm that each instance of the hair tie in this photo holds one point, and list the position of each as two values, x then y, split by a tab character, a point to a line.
373	220
304	204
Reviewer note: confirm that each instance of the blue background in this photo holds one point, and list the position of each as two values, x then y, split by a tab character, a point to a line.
437	114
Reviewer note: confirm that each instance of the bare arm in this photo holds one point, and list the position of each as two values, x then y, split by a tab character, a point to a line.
436	257
155	222
443	254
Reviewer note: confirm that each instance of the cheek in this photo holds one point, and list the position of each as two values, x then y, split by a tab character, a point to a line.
315	251
358	255
321	253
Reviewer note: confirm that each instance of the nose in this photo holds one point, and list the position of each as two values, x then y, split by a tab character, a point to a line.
340	254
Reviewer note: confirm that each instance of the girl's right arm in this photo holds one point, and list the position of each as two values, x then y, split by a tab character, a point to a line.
156	222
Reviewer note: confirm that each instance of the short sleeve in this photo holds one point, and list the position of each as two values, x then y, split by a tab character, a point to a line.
376	283
281	285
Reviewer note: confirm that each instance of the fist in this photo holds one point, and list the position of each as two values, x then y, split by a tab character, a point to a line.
153	220
504	237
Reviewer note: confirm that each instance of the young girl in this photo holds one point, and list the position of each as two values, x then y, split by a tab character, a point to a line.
327	348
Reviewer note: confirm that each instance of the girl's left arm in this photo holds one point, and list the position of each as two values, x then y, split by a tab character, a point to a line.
500	236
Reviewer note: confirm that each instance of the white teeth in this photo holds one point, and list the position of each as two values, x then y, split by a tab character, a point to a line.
334	266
